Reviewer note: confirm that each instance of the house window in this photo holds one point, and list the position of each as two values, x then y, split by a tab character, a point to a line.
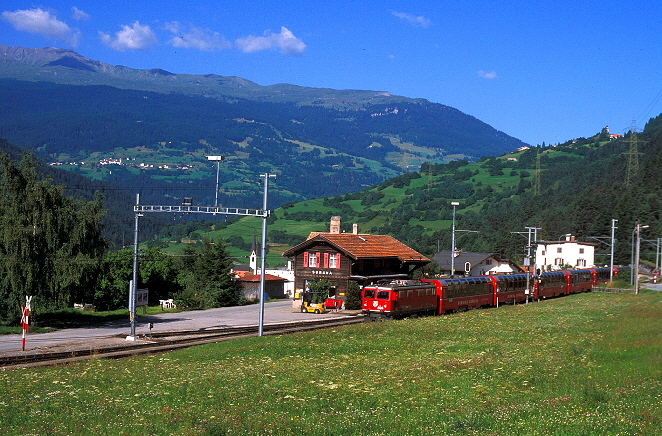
488	262
559	250
312	260
332	260
558	261
581	251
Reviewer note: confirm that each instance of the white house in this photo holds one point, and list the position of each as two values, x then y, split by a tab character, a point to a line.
552	255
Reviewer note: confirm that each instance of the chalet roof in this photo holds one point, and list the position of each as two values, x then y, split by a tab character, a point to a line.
443	258
362	246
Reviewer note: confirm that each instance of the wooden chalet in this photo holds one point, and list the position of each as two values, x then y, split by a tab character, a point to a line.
341	257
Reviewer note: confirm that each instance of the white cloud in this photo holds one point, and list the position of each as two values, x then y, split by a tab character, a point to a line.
42	23
201	39
134	37
79	15
418	21
285	41
487	74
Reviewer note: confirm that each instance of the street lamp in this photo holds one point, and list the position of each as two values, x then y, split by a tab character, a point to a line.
454	203
218	160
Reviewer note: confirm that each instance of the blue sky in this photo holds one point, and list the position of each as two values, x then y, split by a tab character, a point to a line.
541	71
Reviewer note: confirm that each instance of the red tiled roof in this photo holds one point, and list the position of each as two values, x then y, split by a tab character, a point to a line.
250	277
365	246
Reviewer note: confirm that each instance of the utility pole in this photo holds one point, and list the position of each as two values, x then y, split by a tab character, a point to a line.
134	281
611	265
637	230
527	260
454	203
264	249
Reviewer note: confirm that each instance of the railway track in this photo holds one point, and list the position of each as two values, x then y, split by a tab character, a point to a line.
164	342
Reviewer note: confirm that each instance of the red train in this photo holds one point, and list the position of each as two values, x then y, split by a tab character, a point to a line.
398	298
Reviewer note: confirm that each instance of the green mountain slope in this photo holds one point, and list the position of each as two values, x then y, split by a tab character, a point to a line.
582	188
321	142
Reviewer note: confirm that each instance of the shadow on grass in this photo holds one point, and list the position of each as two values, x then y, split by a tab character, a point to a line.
72	318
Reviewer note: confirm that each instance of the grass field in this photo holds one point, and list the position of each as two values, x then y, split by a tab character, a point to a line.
579	365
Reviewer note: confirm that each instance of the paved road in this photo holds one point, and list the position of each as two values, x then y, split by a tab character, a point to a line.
274	312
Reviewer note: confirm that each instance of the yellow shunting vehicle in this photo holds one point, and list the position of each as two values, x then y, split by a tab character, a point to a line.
308	306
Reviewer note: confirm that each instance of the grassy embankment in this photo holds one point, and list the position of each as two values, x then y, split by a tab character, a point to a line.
583	364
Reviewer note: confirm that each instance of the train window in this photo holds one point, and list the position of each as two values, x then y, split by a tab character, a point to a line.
401	294
383	295
369	293
410	292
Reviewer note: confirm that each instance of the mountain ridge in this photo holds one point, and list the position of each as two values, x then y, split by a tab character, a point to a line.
155	79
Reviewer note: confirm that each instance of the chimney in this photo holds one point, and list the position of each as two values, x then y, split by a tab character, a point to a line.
335	225
355	229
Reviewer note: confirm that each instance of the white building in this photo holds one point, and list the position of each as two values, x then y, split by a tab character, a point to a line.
553	255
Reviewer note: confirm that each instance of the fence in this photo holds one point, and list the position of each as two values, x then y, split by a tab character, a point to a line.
613	290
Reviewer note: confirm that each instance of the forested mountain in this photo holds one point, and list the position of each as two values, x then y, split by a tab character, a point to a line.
118	203
320	142
582	186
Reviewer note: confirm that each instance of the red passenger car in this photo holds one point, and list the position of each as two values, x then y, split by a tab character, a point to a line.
511	288
458	295
579	280
550	284
397	298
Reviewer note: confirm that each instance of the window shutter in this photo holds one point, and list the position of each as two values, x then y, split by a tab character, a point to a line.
326	260
338	260
318	264
305	259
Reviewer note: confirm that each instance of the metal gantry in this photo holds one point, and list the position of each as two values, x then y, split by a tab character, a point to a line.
140	210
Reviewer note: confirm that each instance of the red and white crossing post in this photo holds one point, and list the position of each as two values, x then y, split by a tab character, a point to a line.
25	312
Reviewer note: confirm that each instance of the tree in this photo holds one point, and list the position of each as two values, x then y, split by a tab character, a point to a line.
207	281
353	301
50	245
319	290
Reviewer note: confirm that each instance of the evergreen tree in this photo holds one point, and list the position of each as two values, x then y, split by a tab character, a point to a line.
50	245
353	301
207	281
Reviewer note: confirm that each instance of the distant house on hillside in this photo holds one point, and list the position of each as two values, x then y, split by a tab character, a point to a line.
474	264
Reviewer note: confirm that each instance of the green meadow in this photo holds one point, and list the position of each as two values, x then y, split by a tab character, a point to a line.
579	365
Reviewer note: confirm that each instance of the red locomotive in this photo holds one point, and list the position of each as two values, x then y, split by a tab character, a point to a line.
399	298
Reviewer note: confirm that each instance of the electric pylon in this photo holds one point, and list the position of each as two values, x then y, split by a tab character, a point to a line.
536	177
633	155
